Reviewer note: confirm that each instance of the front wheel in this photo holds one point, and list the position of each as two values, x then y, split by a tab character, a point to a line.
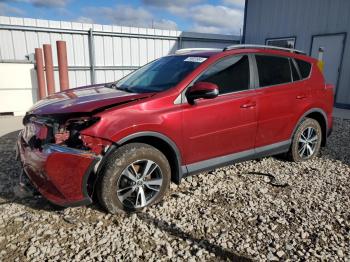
306	141
136	175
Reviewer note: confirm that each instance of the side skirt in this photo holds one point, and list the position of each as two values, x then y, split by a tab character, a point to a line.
250	154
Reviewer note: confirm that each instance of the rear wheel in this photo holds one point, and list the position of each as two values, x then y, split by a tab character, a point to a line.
306	141
135	176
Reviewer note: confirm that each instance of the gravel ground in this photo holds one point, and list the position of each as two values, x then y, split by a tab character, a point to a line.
258	210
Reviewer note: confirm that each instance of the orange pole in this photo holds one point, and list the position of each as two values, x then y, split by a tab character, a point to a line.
50	81
40	72
62	64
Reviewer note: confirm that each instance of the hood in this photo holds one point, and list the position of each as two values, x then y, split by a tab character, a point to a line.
83	100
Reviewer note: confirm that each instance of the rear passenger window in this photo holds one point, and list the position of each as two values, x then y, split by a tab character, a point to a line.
229	74
273	70
295	73
304	68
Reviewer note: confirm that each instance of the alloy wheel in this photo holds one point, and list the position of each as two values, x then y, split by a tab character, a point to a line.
139	183
307	142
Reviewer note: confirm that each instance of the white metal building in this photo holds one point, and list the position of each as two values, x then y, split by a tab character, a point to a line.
96	53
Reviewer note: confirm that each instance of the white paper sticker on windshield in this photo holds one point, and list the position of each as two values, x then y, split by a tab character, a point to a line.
195	59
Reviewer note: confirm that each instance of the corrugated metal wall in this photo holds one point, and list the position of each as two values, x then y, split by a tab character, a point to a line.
303	19
117	50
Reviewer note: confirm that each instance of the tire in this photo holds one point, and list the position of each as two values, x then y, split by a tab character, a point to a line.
300	151
124	186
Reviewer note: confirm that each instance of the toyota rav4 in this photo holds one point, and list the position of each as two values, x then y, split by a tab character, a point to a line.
181	114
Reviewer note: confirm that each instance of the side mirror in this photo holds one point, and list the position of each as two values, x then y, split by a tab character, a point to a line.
204	90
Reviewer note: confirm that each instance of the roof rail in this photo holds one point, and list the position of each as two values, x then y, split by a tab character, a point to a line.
232	47
188	50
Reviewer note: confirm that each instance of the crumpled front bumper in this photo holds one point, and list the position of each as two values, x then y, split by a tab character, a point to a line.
59	173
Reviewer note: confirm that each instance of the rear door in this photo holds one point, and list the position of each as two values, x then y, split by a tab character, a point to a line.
227	123
278	98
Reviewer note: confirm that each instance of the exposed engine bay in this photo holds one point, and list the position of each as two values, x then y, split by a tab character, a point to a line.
63	130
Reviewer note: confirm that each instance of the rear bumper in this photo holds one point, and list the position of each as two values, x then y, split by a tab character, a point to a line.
59	173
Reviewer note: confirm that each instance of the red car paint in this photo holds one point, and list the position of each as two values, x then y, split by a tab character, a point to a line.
57	175
209	129
85	99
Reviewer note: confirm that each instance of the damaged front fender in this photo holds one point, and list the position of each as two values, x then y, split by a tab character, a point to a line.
59	173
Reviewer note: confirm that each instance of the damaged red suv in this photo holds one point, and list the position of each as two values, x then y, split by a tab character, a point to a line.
178	115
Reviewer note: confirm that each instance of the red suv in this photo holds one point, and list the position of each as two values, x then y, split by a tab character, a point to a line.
178	115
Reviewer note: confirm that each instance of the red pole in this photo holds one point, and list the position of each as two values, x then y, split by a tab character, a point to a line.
50	81
62	64
40	72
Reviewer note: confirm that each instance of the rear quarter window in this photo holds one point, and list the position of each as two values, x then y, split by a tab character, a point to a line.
304	68
273	70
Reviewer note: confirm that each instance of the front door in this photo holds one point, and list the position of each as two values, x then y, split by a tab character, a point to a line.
227	123
333	49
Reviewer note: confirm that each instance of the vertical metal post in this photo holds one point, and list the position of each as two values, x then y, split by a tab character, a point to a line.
240	36
92	56
180	42
50	81
62	64
40	72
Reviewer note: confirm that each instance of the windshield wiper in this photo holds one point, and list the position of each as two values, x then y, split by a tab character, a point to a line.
126	89
114	85
111	85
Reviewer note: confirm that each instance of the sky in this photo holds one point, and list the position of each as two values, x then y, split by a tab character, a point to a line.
205	16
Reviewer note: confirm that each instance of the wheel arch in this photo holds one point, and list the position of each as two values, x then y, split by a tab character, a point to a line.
321	117
164	144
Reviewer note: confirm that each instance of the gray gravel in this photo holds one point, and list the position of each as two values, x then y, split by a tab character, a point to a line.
258	210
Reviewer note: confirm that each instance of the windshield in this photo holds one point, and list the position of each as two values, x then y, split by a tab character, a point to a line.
160	74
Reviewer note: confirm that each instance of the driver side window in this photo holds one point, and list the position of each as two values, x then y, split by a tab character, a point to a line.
229	74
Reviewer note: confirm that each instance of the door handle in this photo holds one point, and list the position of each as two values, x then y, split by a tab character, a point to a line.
300	96
248	105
